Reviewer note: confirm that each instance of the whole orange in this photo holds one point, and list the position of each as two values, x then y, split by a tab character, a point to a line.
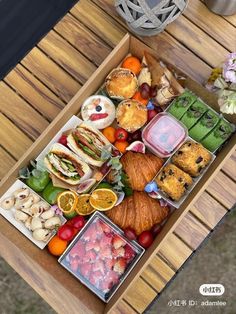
132	63
137	96
121	146
56	246
109	133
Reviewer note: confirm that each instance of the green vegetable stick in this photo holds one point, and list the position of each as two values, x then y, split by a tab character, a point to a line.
181	104
193	114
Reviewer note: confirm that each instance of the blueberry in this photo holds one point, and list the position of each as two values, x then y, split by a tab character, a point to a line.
150	106
98	108
151	187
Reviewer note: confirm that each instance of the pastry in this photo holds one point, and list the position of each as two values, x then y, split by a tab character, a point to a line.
193	114
139	212
140	168
121	84
173	181
218	135
131	115
206	124
192	157
167	85
181	104
99	110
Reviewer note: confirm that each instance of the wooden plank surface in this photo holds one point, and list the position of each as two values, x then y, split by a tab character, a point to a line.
35	91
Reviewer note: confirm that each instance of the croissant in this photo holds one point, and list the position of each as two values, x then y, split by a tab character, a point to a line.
139	212
140	168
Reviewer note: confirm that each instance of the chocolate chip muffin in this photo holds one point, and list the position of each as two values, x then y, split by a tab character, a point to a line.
173	181
192	157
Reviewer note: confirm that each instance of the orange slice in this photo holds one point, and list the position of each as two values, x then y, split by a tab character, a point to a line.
83	206
67	201
103	199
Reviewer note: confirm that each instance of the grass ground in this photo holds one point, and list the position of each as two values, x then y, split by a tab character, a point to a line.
215	262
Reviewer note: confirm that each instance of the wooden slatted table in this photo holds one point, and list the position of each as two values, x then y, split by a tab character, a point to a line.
35	91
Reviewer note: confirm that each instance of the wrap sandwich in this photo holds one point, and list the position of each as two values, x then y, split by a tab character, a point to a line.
66	166
88	143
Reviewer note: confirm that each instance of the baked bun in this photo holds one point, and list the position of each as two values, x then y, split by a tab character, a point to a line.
121	84
131	115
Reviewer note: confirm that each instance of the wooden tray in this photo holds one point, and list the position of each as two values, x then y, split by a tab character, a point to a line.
41	269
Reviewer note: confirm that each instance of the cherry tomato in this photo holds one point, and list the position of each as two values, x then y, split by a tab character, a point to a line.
63	140
66	232
145	239
121	135
130	234
78	222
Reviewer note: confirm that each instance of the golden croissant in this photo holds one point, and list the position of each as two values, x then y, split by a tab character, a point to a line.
139	212
140	168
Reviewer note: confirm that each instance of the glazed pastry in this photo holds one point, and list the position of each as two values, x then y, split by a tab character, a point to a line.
173	181
140	168
99	110
121	84
192	157
218	135
131	115
139	212
193	114
181	104
206	124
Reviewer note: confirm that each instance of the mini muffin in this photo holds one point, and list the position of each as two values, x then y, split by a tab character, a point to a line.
121	84
192	158
131	115
173	181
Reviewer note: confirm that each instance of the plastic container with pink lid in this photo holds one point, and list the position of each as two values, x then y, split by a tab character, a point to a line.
164	134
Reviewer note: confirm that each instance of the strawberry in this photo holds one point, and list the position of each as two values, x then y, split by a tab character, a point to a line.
109	263
105	241
120	252
120	266
77	250
92	246
99	266
95	278
112	277
129	253
74	264
118	242
89	257
105	285
105	252
85	270
105	228
90	234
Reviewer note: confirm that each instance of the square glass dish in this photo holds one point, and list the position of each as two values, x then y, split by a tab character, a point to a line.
101	257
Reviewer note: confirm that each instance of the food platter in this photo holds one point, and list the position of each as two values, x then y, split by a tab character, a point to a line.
126	194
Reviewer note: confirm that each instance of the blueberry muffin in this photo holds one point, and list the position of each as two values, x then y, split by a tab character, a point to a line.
173	181
192	158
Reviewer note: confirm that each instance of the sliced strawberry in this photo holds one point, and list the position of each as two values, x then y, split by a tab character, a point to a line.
109	263
106	285
99	266
106	241
85	270
120	266
90	234
78	250
118	252
118	241
129	253
90	257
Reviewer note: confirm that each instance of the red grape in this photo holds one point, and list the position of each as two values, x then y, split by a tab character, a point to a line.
153	91
130	234
145	239
156	229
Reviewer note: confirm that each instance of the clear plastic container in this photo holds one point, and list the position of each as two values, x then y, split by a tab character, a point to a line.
101	257
164	134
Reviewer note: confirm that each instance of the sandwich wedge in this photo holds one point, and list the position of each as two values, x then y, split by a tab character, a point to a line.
66	166
88	143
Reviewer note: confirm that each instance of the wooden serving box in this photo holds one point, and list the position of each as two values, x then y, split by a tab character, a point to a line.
40	269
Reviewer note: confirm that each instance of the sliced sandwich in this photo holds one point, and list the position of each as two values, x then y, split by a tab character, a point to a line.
66	166
88	143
